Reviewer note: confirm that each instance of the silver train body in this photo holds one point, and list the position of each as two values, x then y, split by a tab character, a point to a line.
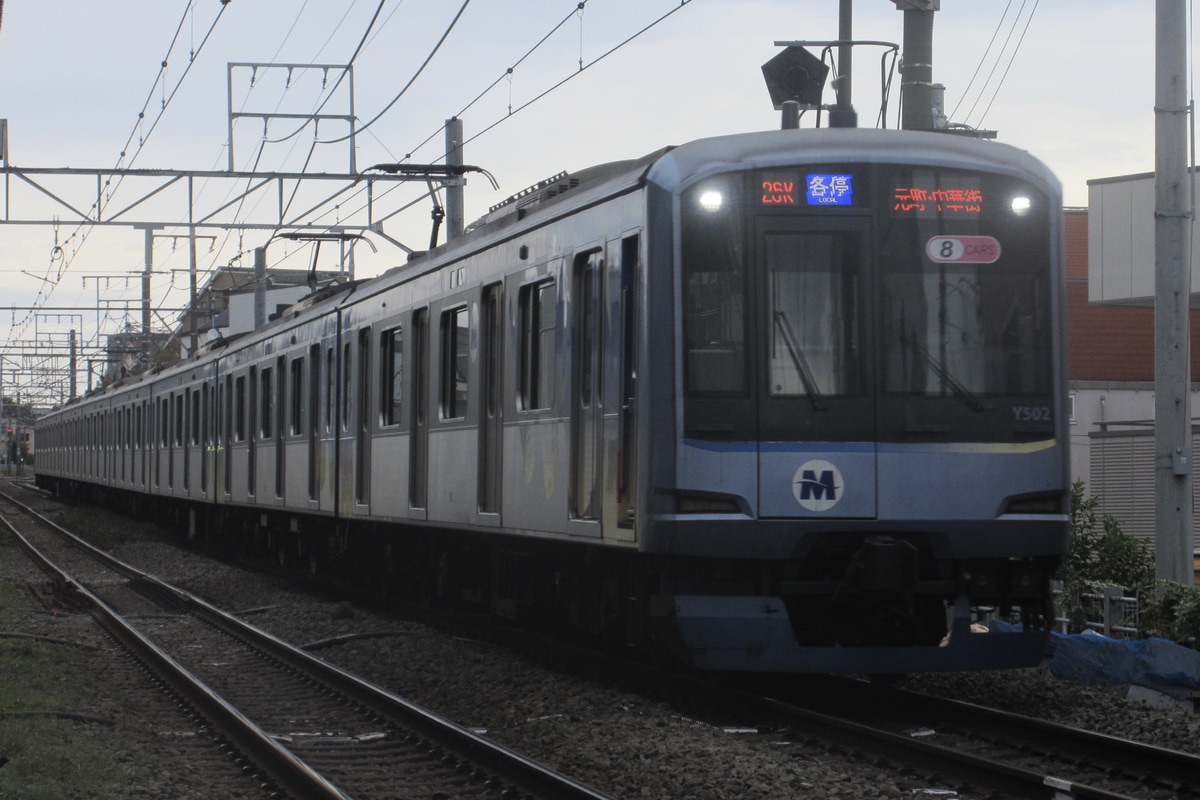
779	401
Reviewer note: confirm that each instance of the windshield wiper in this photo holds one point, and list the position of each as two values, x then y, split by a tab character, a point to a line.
800	362
956	388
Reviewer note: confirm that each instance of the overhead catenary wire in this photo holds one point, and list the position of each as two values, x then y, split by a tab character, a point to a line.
442	40
982	59
581	70
147	123
557	85
573	12
999	57
84	228
506	74
341	73
210	268
1011	59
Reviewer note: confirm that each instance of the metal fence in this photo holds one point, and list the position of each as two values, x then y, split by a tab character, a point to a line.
1111	613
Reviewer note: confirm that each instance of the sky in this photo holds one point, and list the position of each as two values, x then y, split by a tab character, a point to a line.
1071	81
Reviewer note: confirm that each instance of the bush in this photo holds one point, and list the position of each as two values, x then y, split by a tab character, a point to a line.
1100	552
1099	555
1171	611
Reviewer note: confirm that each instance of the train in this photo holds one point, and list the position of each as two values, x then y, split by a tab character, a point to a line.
780	401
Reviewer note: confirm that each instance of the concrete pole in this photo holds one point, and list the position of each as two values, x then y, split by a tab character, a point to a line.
260	287
454	184
916	84
147	270
72	360
192	293
3	430
1172	291
843	115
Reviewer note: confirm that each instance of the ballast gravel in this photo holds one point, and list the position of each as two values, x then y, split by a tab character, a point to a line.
621	744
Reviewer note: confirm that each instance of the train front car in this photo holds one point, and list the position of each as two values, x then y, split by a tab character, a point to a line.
858	440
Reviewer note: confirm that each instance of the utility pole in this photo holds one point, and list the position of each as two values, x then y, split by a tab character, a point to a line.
192	267
6	446
916	83
74	367
843	115
260	287
147	271
454	186
1173	218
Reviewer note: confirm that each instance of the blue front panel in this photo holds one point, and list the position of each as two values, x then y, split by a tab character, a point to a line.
830	480
964	481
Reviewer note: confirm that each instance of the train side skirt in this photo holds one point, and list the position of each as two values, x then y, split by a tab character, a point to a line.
754	634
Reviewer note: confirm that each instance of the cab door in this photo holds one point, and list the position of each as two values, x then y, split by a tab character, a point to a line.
816	415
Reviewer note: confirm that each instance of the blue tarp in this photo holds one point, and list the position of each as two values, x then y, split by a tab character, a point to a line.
1092	659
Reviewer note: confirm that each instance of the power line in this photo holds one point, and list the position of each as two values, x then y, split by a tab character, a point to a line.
411	80
43	293
1012	29
982	59
580	71
341	75
507	73
1011	59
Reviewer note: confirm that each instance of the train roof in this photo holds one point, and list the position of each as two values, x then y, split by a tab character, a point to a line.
763	149
671	167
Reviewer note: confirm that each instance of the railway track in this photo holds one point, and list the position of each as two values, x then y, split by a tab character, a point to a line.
304	727
989	752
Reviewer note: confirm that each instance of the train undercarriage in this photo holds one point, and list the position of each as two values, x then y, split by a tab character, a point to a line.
878	604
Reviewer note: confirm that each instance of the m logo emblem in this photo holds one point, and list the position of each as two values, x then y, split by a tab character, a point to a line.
817	485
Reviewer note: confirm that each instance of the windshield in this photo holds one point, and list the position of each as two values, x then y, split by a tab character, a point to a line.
964	298
918	310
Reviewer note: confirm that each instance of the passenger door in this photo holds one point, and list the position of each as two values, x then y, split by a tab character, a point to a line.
490	412
586	413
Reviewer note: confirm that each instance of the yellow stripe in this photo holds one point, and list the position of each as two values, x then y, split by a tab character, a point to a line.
986	447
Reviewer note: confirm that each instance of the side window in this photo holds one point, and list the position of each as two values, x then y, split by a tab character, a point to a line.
164	422
392	377
330	390
537	319
239	416
364	373
456	333
296	403
179	417
347	386
195	417
266	398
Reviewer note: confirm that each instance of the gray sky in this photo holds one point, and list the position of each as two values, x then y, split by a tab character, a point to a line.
74	74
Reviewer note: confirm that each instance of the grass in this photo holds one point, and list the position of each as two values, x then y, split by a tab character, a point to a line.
46	757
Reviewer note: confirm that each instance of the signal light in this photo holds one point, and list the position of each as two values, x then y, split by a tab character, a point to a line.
795	74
